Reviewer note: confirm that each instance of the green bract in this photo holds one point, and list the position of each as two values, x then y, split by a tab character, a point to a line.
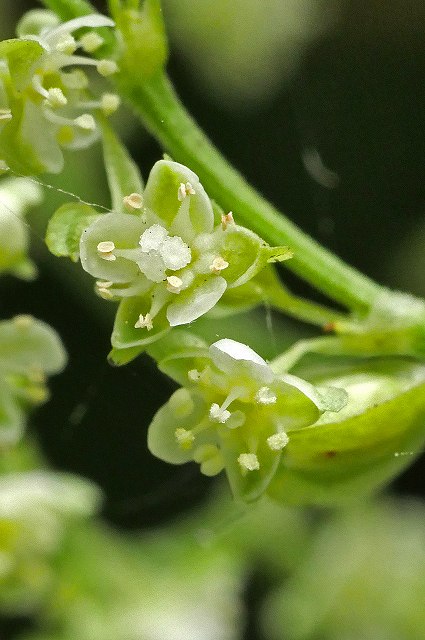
234	413
348	455
44	99
164	260
16	195
29	350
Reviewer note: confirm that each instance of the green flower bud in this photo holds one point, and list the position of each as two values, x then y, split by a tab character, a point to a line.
234	413
16	195
44	105
29	351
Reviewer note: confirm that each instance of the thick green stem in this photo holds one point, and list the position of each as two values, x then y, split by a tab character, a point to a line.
161	111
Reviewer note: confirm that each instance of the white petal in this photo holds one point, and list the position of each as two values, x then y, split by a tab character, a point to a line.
231	356
194	303
92	21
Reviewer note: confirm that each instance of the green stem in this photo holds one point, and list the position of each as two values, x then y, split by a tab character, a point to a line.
302	309
161	111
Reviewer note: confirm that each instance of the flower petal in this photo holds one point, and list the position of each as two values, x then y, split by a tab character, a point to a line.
196	301
124	230
162	190
235	358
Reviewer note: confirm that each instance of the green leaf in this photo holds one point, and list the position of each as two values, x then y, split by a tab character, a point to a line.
123	174
66	226
356	451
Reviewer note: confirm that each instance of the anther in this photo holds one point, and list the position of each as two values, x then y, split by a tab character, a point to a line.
226	219
194	375
91	41
265	396
109	103
218	264
56	98
5	114
86	122
105	249
185	190
174	284
134	201
67	45
217	414
106	67
184	438
248	462
278	441
144	322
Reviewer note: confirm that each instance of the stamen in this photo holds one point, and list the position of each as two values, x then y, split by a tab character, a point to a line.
91	41
185	190
265	396
278	441
248	462
184	438
217	414
103	289
75	79
107	67
174	284
227	219
144	322
218	264
194	375
105	249
134	201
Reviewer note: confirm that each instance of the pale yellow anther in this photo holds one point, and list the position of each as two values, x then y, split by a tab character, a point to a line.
265	396
248	462
227	219
134	201
67	45
86	122
184	438
174	284
56	98
91	41
217	414
23	321
106	67
106	249
277	441
5	114
103	287
194	375
109	103
144	322
218	264
104	284
185	190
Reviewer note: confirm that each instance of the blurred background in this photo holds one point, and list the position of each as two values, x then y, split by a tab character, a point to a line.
320	104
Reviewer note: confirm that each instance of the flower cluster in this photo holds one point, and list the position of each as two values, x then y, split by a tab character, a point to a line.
35	509
29	351
45	103
166	260
235	413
